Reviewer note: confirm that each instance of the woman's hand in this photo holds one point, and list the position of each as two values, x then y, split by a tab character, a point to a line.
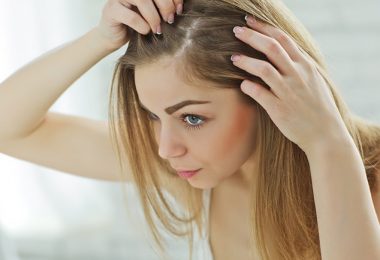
140	15
298	101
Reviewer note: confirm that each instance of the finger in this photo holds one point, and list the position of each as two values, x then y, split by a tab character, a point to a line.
179	6
130	18
269	46
148	11
259	93
263	70
286	42
167	9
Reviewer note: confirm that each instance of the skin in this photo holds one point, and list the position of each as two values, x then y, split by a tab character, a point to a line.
223	146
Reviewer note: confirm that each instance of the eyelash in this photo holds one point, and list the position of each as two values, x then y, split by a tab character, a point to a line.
182	117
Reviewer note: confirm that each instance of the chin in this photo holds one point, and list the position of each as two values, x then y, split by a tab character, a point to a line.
202	185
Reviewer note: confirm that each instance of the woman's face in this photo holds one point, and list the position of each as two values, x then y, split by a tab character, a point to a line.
217	136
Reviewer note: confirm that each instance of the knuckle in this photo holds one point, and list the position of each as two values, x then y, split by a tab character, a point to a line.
309	66
293	67
281	37
133	18
265	69
306	58
273	46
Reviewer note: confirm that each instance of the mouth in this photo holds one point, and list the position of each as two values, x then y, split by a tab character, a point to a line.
186	174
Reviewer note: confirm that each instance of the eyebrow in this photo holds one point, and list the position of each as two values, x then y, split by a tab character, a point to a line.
172	109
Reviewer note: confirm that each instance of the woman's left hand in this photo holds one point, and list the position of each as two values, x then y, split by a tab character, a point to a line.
299	101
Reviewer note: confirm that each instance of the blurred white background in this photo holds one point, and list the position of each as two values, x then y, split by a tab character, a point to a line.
45	214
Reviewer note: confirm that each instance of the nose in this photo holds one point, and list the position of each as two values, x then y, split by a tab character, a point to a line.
169	143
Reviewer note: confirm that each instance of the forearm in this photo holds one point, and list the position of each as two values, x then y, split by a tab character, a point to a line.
347	222
27	95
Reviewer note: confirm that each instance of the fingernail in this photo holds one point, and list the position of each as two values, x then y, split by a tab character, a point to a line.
171	19
235	57
238	29
250	19
244	87
179	9
158	29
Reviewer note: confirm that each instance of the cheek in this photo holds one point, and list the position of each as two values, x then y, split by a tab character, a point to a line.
237	136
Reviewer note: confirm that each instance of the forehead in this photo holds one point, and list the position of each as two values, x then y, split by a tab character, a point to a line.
161	81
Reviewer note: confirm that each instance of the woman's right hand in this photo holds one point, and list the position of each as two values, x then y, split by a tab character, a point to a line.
140	15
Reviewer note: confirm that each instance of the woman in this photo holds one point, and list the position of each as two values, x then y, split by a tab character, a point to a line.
276	165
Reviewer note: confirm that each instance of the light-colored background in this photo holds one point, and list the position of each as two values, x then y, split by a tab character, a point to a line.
45	214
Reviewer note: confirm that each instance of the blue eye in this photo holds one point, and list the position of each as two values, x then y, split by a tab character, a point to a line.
195	122
191	121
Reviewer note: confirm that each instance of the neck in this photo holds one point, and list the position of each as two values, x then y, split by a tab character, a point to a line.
242	179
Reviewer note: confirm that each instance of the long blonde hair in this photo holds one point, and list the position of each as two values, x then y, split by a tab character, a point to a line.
201	43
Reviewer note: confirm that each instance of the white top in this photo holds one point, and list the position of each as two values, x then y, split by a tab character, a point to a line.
204	252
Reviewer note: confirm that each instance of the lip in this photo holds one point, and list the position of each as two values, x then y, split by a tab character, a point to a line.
187	174
184	170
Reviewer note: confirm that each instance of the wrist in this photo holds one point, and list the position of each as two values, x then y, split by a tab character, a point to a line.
103	43
328	145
